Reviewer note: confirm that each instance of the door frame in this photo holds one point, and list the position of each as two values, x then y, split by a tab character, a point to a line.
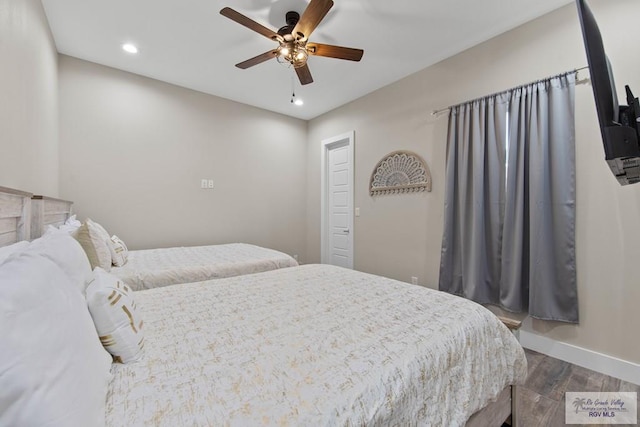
347	139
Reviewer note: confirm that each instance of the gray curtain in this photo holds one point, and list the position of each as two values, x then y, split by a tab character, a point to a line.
510	201
474	199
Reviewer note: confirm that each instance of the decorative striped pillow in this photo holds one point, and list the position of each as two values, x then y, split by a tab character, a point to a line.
117	320
119	251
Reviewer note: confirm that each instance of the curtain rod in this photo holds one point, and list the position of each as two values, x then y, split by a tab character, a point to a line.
442	110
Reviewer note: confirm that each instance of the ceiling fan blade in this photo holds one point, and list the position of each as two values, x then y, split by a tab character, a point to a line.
249	23
311	17
257	59
331	51
304	74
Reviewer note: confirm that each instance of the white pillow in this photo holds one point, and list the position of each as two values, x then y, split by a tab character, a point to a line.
114	313
64	251
70	226
94	241
5	251
53	370
64	228
119	251
72	221
69	229
50	229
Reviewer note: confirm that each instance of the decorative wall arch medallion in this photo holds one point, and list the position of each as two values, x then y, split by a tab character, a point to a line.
400	172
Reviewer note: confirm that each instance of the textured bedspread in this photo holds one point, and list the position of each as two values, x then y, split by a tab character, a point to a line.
312	346
153	268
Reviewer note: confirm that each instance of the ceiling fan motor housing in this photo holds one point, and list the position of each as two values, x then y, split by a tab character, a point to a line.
291	18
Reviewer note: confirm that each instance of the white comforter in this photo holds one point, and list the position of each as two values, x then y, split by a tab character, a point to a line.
153	268
312	346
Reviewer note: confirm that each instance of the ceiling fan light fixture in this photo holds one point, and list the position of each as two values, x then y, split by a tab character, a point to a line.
301	54
299	57
293	53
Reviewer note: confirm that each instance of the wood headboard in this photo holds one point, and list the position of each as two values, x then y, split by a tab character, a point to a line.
15	216
48	211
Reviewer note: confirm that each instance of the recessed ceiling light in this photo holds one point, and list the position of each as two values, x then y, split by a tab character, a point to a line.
129	48
298	102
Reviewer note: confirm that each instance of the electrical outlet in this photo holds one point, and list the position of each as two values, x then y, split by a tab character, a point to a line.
414	280
210	183
357	211
203	183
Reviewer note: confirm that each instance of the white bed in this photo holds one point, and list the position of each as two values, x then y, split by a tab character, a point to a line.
152	268
314	345
311	345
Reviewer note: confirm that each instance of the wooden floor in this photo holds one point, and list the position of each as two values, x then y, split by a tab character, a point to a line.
541	399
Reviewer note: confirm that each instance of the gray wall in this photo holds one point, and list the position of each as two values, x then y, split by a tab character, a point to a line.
400	236
133	152
28	99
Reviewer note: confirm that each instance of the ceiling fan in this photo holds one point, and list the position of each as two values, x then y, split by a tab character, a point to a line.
293	39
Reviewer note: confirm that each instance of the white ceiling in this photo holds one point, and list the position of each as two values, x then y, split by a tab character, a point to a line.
188	43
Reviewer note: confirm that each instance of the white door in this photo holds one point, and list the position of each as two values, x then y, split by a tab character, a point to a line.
338	198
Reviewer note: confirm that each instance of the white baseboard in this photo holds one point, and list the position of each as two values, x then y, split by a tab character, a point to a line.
612	366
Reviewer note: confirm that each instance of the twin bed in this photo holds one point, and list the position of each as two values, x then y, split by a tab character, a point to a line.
152	268
310	345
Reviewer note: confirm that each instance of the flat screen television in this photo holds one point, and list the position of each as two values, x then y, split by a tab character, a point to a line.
619	124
